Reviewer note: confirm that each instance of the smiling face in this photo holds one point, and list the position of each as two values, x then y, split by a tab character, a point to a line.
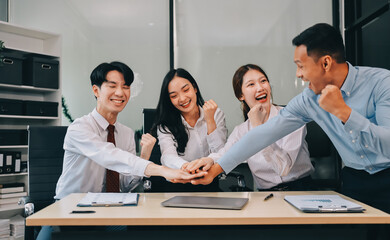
182	95
309	70
112	96
256	89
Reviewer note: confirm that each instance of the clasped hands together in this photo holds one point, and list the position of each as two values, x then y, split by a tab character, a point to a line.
199	166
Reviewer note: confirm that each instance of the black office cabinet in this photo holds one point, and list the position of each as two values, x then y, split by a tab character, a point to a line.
36	108
11	68
41	72
13	137
11	106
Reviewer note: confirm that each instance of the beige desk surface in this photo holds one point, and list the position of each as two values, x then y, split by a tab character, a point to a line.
149	212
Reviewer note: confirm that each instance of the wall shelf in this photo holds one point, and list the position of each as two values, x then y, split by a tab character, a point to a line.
13	146
27	43
23	88
29	117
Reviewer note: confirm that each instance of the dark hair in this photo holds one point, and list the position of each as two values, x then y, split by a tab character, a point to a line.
99	74
320	40
237	84
168	117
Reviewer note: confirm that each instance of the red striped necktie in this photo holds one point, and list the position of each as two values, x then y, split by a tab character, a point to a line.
112	177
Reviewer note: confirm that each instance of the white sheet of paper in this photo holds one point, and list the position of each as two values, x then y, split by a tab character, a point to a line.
92	199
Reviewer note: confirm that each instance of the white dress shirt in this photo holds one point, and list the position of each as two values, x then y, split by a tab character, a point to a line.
285	160
199	144
88	155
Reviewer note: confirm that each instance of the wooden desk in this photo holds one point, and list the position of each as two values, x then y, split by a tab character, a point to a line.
149	212
272	219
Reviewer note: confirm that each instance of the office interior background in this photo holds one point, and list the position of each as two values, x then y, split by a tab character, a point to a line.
209	38
212	38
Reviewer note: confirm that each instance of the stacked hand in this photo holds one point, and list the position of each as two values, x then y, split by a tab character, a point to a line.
180	176
198	165
203	165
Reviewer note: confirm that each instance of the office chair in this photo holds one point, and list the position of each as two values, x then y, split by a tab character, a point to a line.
45	157
159	184
325	159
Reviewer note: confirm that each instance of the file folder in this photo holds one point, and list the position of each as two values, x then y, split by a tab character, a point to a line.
9	162
109	200
323	204
2	167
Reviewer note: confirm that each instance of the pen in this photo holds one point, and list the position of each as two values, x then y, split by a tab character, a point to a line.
81	211
268	197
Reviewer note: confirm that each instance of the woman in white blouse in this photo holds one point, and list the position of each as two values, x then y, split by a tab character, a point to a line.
285	164
187	127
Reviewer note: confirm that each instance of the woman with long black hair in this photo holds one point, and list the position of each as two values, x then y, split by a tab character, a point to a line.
187	127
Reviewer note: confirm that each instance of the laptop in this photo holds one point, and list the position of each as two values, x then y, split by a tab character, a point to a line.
206	202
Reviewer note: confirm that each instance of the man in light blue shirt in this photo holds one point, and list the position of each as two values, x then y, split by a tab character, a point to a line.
351	104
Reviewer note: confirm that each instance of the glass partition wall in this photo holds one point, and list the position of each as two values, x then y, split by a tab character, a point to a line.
212	38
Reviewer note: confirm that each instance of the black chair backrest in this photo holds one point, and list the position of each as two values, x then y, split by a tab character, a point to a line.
149	116
45	158
325	158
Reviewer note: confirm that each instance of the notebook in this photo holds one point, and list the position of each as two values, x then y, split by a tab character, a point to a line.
206	202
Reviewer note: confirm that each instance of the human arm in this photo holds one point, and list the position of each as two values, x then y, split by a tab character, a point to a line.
207	162
368	125
282	155
85	139
169	156
147	144
209	108
262	136
217	139
174	175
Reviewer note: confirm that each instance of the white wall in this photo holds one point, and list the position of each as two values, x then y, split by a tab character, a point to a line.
96	31
214	38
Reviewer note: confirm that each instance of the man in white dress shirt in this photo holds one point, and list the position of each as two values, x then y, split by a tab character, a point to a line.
88	155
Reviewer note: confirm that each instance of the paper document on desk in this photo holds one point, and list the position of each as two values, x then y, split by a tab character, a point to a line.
108	199
322	203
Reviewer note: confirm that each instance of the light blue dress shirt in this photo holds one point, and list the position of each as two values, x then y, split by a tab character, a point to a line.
363	142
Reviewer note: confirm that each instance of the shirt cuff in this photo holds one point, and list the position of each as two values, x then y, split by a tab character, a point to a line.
140	167
214	139
226	167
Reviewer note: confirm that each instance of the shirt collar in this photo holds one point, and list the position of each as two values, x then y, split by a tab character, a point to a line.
201	116
349	80
103	123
